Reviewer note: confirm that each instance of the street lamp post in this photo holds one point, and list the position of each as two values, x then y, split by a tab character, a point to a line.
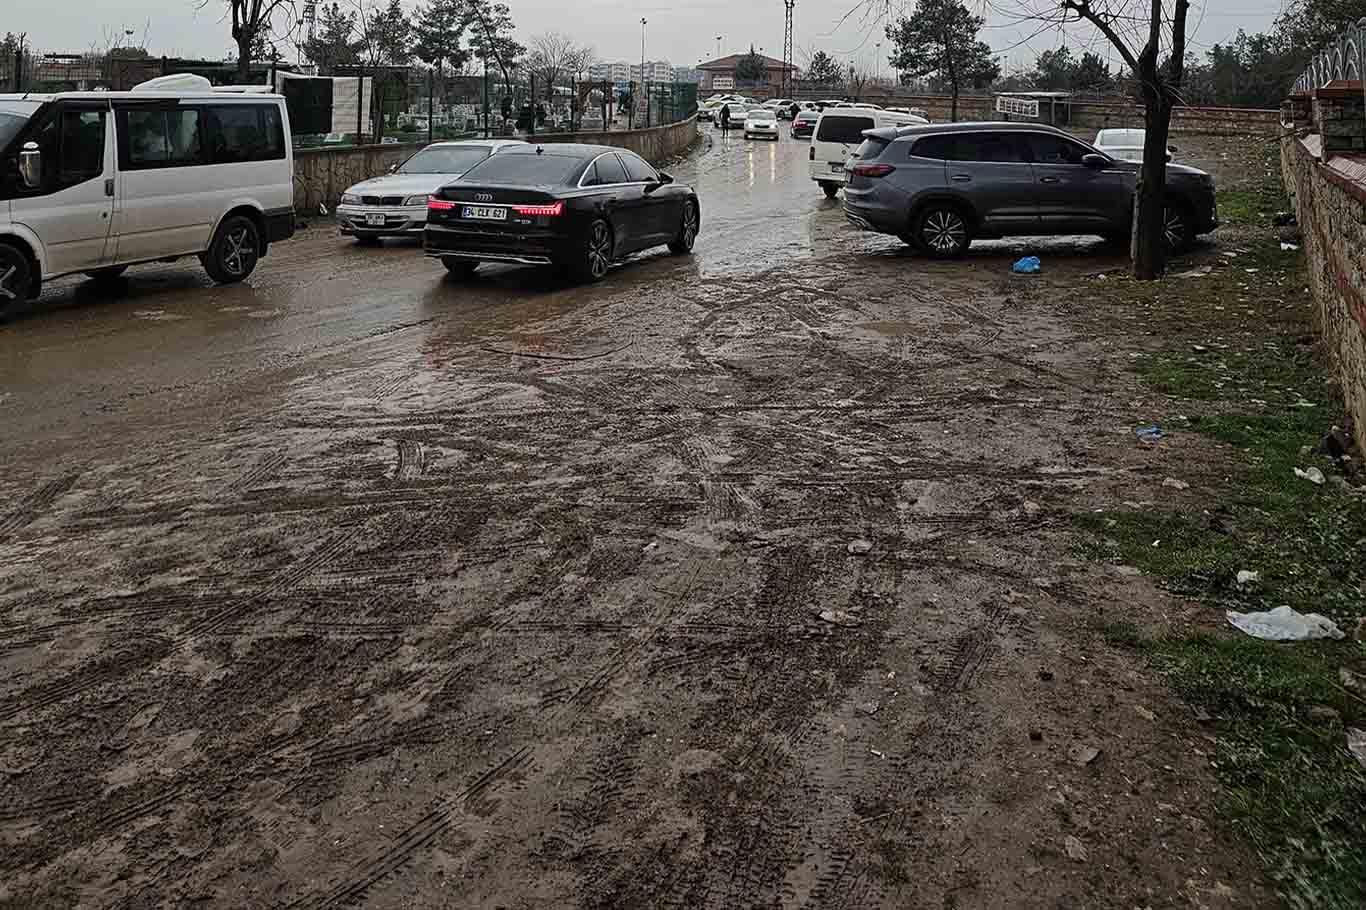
642	73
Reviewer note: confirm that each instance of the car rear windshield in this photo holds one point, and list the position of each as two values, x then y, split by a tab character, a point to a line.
871	148
454	159
848	130
525	168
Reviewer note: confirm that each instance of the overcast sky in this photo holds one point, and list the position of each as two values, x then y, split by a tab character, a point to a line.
683	32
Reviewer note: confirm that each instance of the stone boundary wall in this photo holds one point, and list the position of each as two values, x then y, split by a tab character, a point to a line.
321	175
656	144
1330	205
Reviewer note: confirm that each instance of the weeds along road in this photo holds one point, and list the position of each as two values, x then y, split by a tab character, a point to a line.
725	583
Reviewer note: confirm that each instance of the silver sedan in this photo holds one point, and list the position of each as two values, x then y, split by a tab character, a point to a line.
396	204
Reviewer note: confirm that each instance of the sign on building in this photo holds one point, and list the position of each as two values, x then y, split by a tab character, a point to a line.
1020	107
723	82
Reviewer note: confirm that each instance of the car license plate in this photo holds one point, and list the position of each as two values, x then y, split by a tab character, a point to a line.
376	220
484	213
837	168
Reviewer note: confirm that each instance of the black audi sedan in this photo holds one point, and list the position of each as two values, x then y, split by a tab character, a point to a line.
579	207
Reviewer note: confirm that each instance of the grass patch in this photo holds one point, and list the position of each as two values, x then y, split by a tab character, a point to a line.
1240	340
1251	206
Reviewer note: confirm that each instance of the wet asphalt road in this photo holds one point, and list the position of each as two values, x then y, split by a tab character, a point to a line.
165	337
720	584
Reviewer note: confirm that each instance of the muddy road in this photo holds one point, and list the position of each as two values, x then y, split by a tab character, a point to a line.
734	581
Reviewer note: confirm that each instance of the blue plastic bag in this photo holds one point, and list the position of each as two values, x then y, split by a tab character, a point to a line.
1030	265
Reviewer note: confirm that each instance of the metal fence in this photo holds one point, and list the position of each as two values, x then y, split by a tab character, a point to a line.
35	71
1343	59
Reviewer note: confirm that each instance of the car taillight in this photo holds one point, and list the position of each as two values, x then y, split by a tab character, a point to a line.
439	205
538	211
872	170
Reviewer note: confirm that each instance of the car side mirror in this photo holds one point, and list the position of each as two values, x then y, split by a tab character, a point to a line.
1096	161
1173	149
665	179
393	168
31	166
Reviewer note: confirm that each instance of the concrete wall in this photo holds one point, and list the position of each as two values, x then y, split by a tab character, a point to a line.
322	175
656	144
1096	115
1330	204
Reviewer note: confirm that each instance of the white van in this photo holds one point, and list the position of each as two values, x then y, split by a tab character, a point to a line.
95	182
839	132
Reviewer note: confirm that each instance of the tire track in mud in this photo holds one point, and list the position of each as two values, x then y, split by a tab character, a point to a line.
32	506
852	884
445	812
81	681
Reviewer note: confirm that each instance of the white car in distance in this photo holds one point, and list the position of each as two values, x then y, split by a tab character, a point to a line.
1125	144
761	122
396	204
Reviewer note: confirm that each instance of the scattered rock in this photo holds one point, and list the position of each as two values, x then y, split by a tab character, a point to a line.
1322	714
860	547
1046	675
1173	483
868	707
1076	850
1082	755
1036	736
1129	571
1032	509
1351	682
1145	713
1246	578
1313	475
1356	744
840	618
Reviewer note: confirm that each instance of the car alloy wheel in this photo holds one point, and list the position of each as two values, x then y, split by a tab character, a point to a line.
239	251
687	231
1176	228
16	278
944	232
599	251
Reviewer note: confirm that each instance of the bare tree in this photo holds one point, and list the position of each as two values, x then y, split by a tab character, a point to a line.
858	81
553	55
251	24
1150	36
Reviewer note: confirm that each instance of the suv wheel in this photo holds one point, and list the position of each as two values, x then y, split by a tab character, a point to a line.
831	189
942	231
1176	226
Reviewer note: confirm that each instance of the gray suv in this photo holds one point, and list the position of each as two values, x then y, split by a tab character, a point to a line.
940	187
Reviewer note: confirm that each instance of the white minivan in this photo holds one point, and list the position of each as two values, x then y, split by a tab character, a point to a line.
839	132
94	182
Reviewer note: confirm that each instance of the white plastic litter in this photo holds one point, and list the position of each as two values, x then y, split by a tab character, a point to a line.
1247	578
1284	624
1313	475
1288	246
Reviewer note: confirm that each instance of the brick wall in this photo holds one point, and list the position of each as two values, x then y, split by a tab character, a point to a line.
1097	115
1330	203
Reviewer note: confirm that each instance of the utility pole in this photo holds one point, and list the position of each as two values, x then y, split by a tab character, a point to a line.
642	74
787	50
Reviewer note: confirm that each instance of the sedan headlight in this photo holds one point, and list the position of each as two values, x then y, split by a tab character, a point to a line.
416	200
350	199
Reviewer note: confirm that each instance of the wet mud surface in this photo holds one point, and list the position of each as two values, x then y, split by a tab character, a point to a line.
726	583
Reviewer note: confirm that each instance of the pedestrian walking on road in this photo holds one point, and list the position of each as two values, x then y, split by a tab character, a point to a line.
725	117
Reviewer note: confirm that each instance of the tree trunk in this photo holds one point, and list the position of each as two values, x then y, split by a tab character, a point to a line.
953	115
244	58
1150	222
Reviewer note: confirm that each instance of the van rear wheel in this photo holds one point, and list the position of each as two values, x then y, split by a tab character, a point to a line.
234	252
16	280
831	189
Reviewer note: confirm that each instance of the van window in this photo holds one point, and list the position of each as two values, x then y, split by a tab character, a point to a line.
846	130
237	133
72	143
